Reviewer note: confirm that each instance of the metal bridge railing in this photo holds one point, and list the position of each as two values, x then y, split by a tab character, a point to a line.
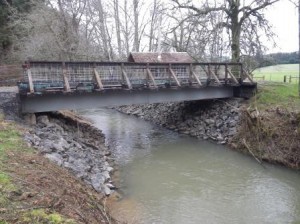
41	76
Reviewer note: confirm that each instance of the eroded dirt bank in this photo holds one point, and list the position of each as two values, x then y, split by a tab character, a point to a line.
272	135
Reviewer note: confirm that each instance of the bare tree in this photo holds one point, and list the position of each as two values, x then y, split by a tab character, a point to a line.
156	14
236	20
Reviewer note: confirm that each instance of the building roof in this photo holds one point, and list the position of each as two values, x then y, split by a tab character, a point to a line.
165	57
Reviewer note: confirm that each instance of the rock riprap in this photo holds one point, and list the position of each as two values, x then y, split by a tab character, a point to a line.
75	144
211	119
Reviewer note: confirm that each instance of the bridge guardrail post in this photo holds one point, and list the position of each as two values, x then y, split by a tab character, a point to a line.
97	77
192	74
125	77
247	76
232	76
174	75
150	76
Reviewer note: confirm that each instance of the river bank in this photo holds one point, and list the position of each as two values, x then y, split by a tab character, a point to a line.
215	120
73	143
268	135
58	170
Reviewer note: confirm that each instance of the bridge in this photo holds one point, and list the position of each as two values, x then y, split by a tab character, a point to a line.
56	85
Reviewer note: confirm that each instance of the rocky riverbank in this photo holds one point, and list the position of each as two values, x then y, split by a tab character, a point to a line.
216	120
75	144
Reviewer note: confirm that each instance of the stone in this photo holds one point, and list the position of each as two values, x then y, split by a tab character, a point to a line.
106	175
109	169
106	190
30	119
232	123
43	119
219	123
231	131
97	180
55	157
111	186
220	138
209	121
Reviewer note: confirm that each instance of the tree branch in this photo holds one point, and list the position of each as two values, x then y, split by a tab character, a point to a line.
249	11
204	11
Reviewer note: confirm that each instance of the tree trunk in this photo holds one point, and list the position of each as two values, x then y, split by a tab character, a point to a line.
117	22
153	16
126	27
102	29
136	25
235	32
235	44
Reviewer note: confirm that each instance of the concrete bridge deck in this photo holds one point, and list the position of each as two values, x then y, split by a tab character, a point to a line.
50	86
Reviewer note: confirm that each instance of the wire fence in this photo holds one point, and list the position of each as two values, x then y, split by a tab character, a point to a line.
42	76
283	79
283	76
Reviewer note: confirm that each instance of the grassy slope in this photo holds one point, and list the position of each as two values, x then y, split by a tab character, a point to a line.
11	142
277	72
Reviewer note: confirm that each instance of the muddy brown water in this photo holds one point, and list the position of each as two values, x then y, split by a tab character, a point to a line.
171	178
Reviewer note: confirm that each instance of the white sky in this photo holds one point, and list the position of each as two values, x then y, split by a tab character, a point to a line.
284	18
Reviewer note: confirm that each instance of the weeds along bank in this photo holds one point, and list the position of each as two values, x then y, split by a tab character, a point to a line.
271	135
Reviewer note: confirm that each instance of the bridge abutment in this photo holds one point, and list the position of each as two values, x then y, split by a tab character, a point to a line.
30	118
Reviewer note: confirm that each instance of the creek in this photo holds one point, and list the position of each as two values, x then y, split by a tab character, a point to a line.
175	178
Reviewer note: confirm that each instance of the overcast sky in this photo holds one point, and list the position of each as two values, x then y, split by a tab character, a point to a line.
284	17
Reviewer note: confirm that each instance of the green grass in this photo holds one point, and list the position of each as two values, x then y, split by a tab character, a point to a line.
39	216
282	95
276	73
10	139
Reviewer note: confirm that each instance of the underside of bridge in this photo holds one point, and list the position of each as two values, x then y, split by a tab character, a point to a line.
109	98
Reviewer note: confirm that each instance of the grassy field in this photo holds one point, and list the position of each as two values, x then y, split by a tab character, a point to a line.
276	73
274	94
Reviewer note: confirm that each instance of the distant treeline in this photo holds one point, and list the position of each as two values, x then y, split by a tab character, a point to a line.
279	58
